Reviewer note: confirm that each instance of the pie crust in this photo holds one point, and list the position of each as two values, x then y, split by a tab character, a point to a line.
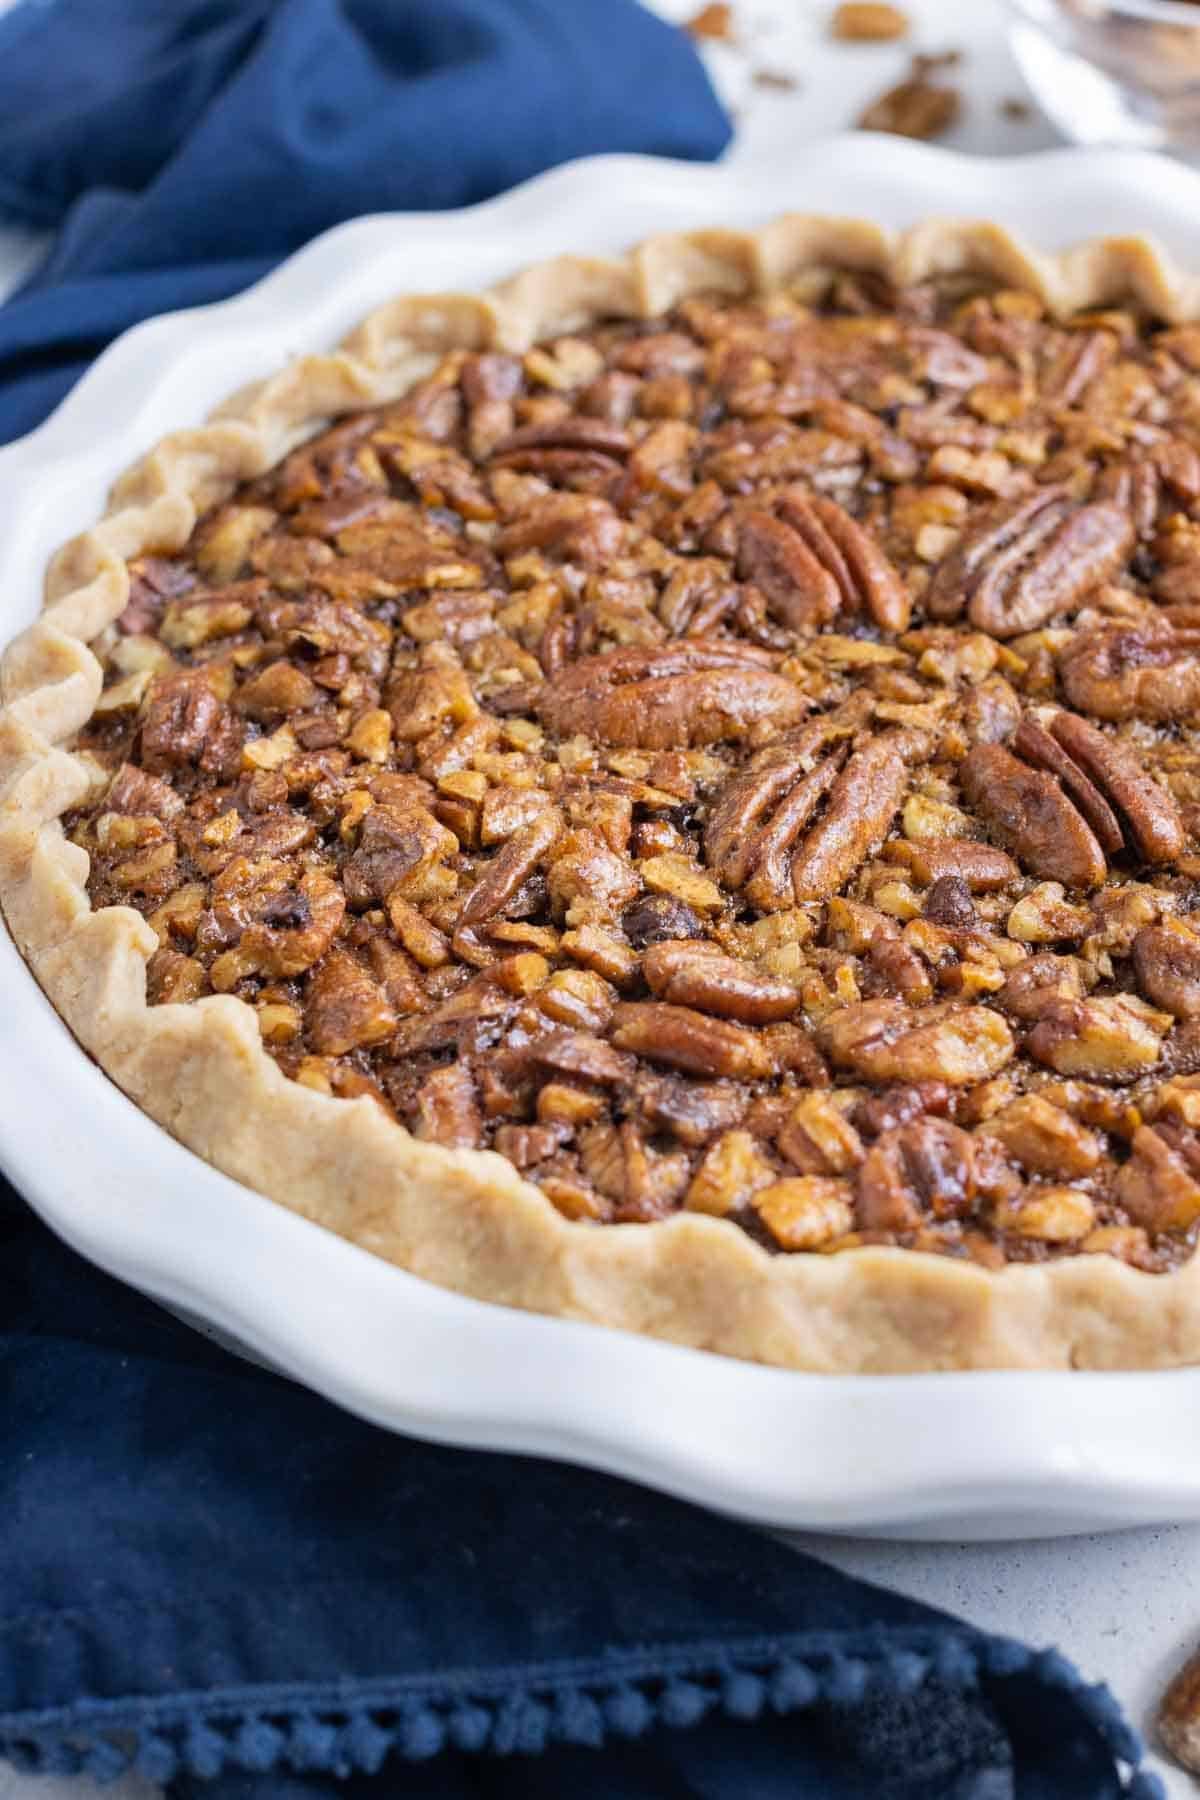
467	1220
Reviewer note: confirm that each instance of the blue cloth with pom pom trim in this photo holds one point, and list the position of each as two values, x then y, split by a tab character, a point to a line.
211	1576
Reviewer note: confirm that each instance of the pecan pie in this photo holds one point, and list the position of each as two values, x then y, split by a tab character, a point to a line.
669	794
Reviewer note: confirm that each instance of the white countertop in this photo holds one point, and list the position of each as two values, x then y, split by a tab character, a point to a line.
1125	1607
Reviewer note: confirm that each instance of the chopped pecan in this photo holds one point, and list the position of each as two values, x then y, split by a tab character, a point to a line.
344	1008
656	918
729	1173
818	1138
1150	672
1032	816
886	1040
1167	962
1035	984
396	850
694	692
691	1041
805	1212
185	724
691	974
584	868
569	433
980	867
916	108
1044	1138
581	1054
922	1168
448	1109
507	872
693	1111
133	791
1114	1038
1159	1186
579	528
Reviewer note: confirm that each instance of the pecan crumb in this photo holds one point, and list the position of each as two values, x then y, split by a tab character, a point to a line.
713	23
868	21
916	107
776	81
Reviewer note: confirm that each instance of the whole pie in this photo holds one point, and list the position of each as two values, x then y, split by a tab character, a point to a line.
669	794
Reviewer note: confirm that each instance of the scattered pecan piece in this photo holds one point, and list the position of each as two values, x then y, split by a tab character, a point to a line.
508	870
916	108
1160	1184
868	21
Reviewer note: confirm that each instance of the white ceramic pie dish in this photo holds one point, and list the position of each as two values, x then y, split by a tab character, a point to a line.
933	1455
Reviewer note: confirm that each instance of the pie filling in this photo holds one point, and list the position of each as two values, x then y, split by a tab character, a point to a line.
742	762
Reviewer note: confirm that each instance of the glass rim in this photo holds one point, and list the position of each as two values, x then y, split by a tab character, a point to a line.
1154	12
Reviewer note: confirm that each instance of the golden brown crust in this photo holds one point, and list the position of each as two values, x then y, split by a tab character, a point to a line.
466	1219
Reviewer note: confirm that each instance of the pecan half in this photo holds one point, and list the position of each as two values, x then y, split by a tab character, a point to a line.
1151	816
1042	751
864	578
1028	810
694	692
799	589
1022	564
771	860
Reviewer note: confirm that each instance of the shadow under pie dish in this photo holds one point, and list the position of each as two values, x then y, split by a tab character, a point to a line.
676	809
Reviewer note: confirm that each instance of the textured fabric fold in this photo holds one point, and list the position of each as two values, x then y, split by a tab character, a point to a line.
216	1578
181	150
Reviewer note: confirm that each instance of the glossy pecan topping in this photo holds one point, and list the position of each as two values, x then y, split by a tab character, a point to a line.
742	762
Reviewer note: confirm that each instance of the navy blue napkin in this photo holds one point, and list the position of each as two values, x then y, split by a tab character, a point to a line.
181	149
210	1575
